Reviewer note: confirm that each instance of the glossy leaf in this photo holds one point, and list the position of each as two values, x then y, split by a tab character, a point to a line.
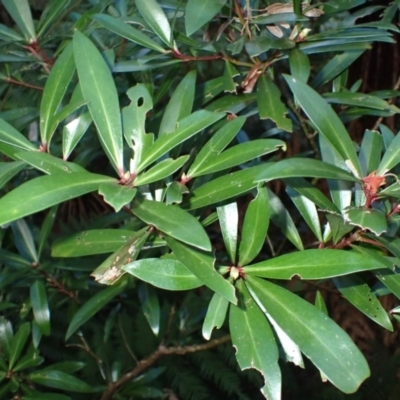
8	170
164	169
358	100
216	145
188	127
307	210
110	270
29	360
313	264
216	314
358	293
24	242
46	191
370	151
201	264
40	306
156	19
180	104
319	338
54	91
325	120
46	227
21	14
150	306
73	132
391	157
228	220
12	141
91	307
173	221
91	242
18	343
255	226
164	273
116	195
255	343
99	91
6	336
47	163
367	219
60	380
269	104
299	65
53	11
121	28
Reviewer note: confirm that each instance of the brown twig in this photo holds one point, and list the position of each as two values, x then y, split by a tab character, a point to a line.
28	85
152	358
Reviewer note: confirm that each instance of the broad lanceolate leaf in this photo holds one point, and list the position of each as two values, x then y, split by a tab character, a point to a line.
216	145
318	337
228	220
255	226
60	380
150	306
8	170
372	220
18	343
117	195
325	120
40	306
46	191
188	127
216	314
198	13
12	141
23	240
155	17
269	104
21	14
313	264
299	64
121	28
391	157
180	105
255	342
164	273
173	221
92	306
358	293
202	265
54	91
95	241
370	151
99	91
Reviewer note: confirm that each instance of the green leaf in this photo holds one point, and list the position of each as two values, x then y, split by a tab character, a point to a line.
198	13
95	241
110	270
164	169
8	170
56	86
282	219
270	105
173	221
21	14
255	226
325	120
8	34
228	220
304	167
40	306
180	105
35	395
73	132
23	239
370	151
368	219
46	191
313	264
156	19
46	228
150	306
216	314
47	163
12	141
216	145
358	100
54	10
319	338
188	127
6	336
358	293
60	380
391	157
116	195
230	72
118	26
299	65
91	307
29	360
307	210
164	273
202	265
99	91
255	343
18	343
